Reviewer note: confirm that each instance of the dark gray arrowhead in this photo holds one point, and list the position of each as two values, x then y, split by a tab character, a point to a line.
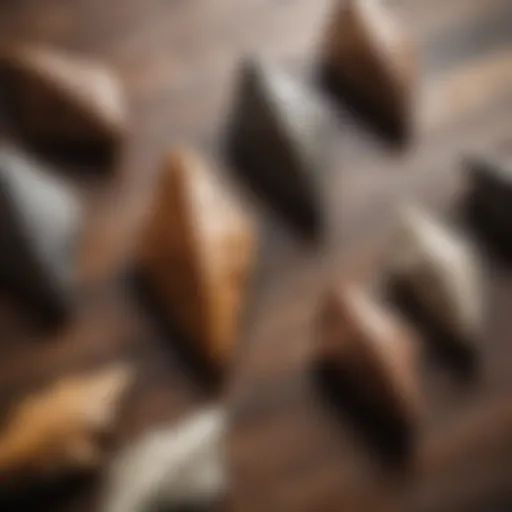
278	137
40	220
490	176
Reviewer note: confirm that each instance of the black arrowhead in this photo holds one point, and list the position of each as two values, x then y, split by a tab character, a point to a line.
277	137
490	170
491	188
40	219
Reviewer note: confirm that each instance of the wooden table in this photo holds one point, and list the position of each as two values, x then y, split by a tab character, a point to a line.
289	451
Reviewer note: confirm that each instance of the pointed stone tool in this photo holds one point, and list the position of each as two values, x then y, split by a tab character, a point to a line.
41	222
197	252
490	187
56	431
444	273
181	466
278	138
367	56
373	350
62	101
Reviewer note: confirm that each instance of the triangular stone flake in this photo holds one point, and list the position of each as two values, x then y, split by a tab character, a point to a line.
278	137
368	56
198	251
184	466
443	271
42	220
63	101
373	349
55	431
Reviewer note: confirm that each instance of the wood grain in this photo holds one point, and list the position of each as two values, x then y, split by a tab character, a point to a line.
289	450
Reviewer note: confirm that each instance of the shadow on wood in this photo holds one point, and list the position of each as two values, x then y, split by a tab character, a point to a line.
303	221
94	156
43	496
89	158
396	134
389	437
18	104
186	348
489	234
456	354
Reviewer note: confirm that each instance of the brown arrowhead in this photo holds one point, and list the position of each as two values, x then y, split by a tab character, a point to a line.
373	350
197	252
57	430
62	100
369	57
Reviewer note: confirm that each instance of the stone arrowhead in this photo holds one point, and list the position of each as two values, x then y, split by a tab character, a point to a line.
490	176
444	273
181	466
197	253
368	56
56	431
62	101
278	138
41	222
374	351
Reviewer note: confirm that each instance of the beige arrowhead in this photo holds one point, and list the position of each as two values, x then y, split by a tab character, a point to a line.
368	54
197	251
443	271
57	430
177	467
63	99
373	349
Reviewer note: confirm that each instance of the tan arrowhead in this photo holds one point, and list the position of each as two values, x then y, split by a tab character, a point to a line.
57	430
62	99
373	349
443	271
197	251
367	53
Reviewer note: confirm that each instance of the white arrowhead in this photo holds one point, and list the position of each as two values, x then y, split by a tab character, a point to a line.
443	270
180	466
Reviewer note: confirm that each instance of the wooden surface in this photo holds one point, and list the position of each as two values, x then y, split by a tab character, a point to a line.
289	451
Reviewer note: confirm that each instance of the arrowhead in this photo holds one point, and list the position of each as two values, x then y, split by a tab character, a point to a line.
374	352
368	57
62	101
198	251
102	392
490	176
182	466
443	272
42	219
56	430
277	138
